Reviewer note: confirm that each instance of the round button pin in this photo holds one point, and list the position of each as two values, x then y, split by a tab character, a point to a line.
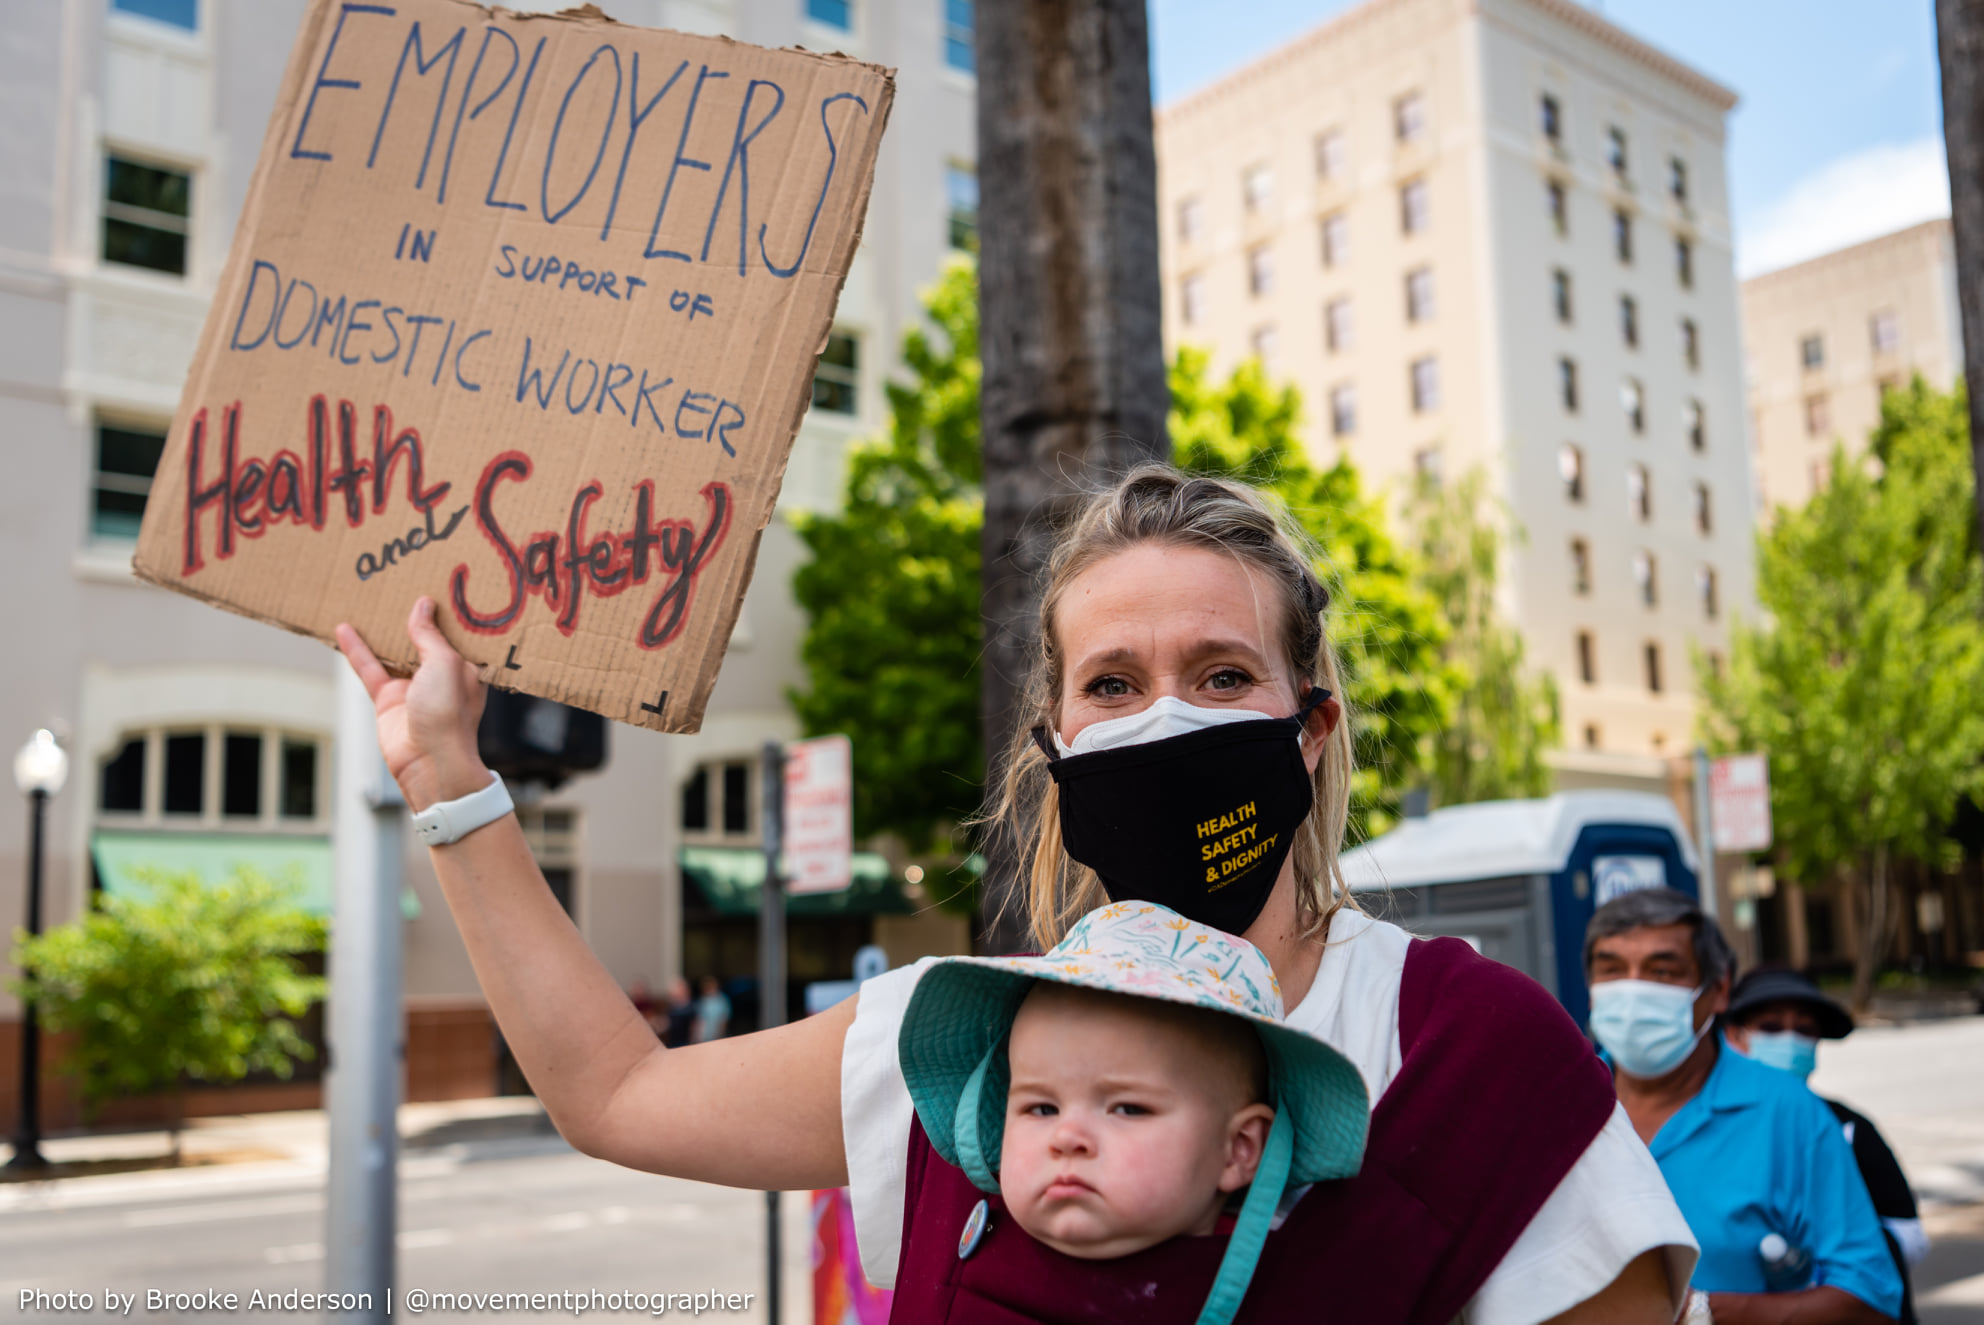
974	1229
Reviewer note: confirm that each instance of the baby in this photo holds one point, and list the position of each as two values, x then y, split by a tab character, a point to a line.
1117	1091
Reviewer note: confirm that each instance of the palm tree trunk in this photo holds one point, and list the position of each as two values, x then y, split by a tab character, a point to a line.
1070	320
1960	40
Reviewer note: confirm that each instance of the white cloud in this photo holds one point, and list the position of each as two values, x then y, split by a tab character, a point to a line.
1855	198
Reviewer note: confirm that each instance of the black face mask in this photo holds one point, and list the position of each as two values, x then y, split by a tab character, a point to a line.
1199	823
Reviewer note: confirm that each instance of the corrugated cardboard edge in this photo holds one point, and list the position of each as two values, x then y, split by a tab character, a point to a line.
233	273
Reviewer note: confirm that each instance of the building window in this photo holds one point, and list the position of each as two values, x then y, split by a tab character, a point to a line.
1580	566
1587	658
260	777
1704	512
837	377
1425	384
174	13
1632	399
716	799
1414	207
1567	383
1570	468
1409	117
1560	295
1192	299
1692	423
1812	352
1552	119
1191	220
1629	322
1339	332
1705	588
833	13
1818	416
1646	578
1684	263
1332	155
1343	410
1591	741
960	36
1615	152
1639	493
1622	237
146	211
1884	328
961	194
1652	667
1821	472
1336	239
1419	295
1677	180
1257	188
1691	343
1260	270
1266	342
126	459
1559	207
1426	464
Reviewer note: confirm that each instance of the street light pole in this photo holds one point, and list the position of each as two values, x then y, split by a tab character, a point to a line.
39	770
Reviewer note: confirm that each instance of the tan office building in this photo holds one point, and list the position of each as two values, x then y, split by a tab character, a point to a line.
1495	233
1824	338
197	738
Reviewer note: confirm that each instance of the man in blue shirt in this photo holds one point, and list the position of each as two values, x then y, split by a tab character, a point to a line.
1755	1161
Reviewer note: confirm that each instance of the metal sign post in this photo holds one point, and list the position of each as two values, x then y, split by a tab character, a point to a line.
1705	837
771	966
363	1081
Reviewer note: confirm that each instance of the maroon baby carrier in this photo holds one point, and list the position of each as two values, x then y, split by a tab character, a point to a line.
1496	1097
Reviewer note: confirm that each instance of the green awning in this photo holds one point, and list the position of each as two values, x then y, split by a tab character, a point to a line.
730	879
304	862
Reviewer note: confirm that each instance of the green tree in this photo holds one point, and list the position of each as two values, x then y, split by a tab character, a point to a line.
1861	679
1385	625
891	591
1504	717
184	982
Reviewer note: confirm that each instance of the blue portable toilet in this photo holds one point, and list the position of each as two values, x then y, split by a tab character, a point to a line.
1520	879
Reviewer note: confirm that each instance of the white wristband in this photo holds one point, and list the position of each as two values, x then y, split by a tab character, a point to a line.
451	821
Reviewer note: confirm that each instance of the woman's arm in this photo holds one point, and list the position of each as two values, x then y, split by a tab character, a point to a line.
1824	1305
757	1110
1639	1296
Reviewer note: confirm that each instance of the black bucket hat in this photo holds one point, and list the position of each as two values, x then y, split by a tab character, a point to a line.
1777	985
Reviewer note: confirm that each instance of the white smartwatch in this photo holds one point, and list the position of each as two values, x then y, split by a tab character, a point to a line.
451	821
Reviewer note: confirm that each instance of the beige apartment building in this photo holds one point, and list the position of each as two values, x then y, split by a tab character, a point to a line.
1825	338
1495	233
197	738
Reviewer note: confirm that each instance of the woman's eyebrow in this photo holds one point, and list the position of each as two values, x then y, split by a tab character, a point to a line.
1230	645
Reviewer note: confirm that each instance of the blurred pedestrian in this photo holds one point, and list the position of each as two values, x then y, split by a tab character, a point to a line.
1756	1162
647	1005
1778	1017
712	1012
681	1014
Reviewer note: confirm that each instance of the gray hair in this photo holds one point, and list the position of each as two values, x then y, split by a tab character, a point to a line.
1652	908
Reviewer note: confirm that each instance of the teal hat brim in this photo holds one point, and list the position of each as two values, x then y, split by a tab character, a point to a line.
964	1007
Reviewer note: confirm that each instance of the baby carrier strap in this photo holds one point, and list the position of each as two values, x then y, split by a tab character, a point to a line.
1497	1096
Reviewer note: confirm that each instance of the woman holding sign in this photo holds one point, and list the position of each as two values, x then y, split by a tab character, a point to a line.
1188	747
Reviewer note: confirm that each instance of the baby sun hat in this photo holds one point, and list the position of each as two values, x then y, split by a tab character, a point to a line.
953	1053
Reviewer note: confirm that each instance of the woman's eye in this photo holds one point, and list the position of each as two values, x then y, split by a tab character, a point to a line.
1228	679
1109	687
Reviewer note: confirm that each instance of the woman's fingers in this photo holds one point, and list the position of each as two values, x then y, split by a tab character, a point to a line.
370	673
427	636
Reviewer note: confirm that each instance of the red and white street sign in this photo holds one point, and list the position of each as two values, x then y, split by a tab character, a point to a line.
1739	803
819	815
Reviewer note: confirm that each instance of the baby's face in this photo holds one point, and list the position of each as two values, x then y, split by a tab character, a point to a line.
1124	1125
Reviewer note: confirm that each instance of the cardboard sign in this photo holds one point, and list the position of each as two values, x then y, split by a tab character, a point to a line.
819	815
522	313
1739	803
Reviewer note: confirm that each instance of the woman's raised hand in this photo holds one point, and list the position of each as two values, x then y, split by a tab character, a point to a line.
426	724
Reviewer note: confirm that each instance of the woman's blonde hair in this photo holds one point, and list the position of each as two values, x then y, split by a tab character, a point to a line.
1163	505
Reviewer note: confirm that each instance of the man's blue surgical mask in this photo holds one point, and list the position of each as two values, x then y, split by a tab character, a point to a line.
1647	1027
1794	1053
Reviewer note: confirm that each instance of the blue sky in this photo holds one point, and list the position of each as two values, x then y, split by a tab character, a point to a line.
1837	138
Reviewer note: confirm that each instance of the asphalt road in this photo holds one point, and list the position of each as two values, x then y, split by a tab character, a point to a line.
501	1205
523	1214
